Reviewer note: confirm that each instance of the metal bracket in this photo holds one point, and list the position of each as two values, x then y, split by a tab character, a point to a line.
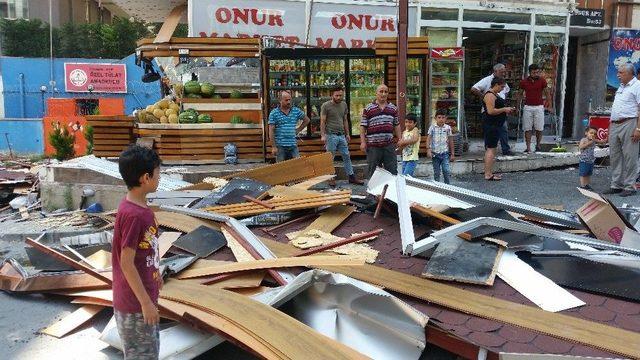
480	198
452	231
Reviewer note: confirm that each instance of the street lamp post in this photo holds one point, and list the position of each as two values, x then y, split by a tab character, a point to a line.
43	90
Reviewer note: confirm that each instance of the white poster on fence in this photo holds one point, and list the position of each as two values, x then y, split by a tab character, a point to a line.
333	25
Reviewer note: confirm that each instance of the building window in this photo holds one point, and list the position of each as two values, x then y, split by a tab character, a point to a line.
550	20
440	37
439	14
14	9
496	17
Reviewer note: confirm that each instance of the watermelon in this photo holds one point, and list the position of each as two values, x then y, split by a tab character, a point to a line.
192	87
207	89
187	117
204	119
217	96
194	96
235	94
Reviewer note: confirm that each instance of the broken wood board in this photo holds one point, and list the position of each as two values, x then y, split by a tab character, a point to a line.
289	171
570	328
307	184
286	337
11	280
314	238
271	264
472	262
535	286
243	280
72	321
283	192
250	208
165	240
330	219
101	259
239	252
180	222
251	291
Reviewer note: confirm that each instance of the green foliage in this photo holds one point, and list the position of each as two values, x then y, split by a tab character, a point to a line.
62	141
30	38
88	135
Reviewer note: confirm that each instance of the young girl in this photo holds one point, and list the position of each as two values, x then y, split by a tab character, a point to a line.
410	145
587	157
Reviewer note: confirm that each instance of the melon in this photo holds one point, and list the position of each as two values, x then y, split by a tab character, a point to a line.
174	106
217	96
192	87
158	113
204	119
207	89
149	108
164	120
173	119
150	119
163	104
235	94
170	111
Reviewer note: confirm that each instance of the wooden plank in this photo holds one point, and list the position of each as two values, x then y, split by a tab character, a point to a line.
121	130
111	136
281	191
216	141
331	218
290	337
200	132
170	24
182	222
562	326
306	198
101	259
219	101
202	40
257	209
72	321
291	170
307	184
199	145
165	240
186	150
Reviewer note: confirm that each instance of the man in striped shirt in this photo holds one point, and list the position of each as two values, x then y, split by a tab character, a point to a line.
378	126
283	127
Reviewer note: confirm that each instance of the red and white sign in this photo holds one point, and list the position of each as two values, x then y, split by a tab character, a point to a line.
103	78
331	25
447	53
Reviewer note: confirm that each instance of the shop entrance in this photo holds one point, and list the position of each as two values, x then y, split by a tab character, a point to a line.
485	48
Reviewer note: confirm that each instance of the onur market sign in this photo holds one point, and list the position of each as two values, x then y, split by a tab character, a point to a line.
97	77
332	25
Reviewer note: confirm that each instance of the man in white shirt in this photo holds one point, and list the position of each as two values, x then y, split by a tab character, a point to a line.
481	87
624	133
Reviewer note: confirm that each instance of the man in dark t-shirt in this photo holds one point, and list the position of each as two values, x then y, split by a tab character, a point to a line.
533	87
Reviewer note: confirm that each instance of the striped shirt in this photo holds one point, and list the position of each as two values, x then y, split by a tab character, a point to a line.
439	138
285	125
379	124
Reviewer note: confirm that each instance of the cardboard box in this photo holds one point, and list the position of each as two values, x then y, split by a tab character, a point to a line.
602	218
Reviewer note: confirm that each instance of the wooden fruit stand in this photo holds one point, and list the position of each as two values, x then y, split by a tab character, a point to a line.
111	134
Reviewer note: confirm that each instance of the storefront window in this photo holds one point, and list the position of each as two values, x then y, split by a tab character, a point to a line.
550	20
14	9
496	17
439	14
548	50
440	37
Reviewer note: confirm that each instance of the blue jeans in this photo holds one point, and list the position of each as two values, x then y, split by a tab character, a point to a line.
338	144
441	162
503	135
408	167
287	152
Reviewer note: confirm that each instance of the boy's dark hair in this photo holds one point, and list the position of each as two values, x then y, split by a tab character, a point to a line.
136	161
590	128
441	112
411	117
533	67
497	80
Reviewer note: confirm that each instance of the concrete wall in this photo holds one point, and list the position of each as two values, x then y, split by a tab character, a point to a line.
22	98
24	135
590	81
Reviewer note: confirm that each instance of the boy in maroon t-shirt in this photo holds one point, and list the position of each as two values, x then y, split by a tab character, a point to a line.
135	258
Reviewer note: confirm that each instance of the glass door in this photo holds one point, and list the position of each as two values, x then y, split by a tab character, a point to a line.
364	77
288	75
414	88
445	88
324	75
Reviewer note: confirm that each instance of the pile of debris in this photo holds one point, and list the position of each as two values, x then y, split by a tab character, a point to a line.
234	252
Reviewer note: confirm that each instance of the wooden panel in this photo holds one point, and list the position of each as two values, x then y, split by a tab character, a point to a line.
224	116
219	101
200	145
562	326
72	321
203	40
181	222
168	139
199	132
105	130
165	240
102	136
291	170
248	209
170	24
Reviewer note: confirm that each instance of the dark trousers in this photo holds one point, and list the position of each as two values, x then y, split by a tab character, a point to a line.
503	135
382	156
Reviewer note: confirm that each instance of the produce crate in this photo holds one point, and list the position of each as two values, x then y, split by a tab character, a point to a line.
204	143
111	134
222	110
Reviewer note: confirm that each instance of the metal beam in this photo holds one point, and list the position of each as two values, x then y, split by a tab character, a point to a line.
404	215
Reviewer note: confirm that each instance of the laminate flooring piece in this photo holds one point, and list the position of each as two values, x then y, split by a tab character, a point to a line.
181	222
294	170
202	242
570	328
472	262
72	321
166	240
286	337
591	276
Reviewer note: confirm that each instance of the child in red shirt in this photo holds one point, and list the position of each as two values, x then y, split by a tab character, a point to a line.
135	258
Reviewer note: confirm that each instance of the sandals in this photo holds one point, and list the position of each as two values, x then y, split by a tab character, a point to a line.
493	178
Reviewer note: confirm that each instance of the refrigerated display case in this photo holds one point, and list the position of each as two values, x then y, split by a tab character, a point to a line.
415	86
446	84
288	75
364	77
324	75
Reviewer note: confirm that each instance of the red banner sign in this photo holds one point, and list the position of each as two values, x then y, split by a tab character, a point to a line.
447	53
95	77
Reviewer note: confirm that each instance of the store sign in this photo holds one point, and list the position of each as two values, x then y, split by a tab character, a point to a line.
332	25
447	53
624	47
100	78
587	17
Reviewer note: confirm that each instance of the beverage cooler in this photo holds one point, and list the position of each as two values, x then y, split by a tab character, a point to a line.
415	90
446	84
311	74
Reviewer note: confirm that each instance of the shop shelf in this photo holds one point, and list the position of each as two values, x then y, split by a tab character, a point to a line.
301	87
286	72
444	86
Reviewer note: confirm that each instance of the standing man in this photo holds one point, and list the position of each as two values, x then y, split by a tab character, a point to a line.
624	133
481	87
283	130
334	129
378	126
533	112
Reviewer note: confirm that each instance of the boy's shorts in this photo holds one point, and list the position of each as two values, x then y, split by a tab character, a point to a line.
585	168
139	340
